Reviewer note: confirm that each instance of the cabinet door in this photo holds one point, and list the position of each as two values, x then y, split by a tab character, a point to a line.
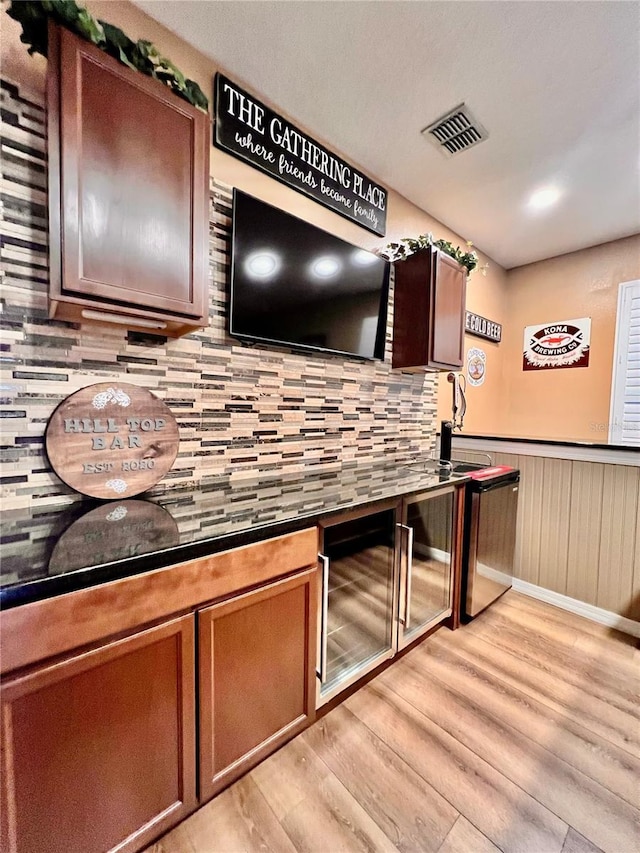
427	563
448	297
357	624
256	667
99	749
429	312
128	187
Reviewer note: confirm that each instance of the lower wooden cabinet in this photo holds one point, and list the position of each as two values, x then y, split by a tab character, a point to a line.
256	674
98	751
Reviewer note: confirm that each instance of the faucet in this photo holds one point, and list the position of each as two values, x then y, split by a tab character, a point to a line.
459	405
446	429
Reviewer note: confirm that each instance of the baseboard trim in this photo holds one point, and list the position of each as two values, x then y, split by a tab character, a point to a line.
581	608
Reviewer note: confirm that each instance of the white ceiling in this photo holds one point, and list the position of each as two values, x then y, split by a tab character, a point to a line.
556	84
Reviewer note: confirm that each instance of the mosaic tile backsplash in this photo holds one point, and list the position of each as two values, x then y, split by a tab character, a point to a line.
242	410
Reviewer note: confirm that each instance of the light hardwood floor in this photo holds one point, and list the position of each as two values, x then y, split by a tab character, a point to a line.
519	732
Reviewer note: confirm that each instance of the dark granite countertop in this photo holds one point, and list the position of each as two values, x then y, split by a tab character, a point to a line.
50	550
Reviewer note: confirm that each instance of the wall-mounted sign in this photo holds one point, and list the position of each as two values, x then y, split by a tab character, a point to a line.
563	343
476	366
483	328
112	440
248	129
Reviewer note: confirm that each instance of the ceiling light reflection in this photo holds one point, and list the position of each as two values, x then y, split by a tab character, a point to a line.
363	258
262	264
326	266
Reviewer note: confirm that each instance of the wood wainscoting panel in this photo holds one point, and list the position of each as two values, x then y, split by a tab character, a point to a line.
619	548
511	459
633	612
578	529
585	531
530	508
554	524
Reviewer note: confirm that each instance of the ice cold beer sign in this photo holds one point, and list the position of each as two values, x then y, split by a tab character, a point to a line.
248	129
112	440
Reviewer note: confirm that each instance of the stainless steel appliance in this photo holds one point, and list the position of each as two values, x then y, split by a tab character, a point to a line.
386	580
490	536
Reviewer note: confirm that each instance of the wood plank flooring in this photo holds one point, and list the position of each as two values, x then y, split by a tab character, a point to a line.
518	733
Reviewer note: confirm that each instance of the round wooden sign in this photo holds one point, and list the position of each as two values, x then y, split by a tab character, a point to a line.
112	440
112	532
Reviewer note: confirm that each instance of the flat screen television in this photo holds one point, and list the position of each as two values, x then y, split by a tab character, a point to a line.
296	285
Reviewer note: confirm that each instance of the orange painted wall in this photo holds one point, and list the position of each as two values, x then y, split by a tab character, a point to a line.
486	296
568	403
572	403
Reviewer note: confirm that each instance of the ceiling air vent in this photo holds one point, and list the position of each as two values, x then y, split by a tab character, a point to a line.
455	131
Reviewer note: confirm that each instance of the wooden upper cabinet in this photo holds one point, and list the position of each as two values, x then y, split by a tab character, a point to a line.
128	194
429	312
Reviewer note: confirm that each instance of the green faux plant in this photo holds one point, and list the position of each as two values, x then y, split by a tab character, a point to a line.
409	245
139	55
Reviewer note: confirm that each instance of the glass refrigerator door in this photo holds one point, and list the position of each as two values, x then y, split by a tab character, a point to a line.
357	629
426	564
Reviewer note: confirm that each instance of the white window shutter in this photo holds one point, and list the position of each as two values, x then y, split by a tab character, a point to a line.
624	427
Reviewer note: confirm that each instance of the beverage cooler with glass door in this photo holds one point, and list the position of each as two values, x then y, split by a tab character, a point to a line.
387	576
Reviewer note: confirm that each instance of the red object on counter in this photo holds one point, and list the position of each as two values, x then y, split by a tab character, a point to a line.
490	473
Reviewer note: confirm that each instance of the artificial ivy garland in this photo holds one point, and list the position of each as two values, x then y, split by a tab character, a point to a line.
142	56
408	245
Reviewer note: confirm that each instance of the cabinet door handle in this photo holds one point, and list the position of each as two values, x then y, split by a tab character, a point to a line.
407	589
324	616
407	606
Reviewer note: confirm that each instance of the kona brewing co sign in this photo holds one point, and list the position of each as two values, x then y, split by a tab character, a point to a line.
564	343
112	440
251	131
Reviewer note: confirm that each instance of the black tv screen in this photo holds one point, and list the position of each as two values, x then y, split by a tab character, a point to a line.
294	284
